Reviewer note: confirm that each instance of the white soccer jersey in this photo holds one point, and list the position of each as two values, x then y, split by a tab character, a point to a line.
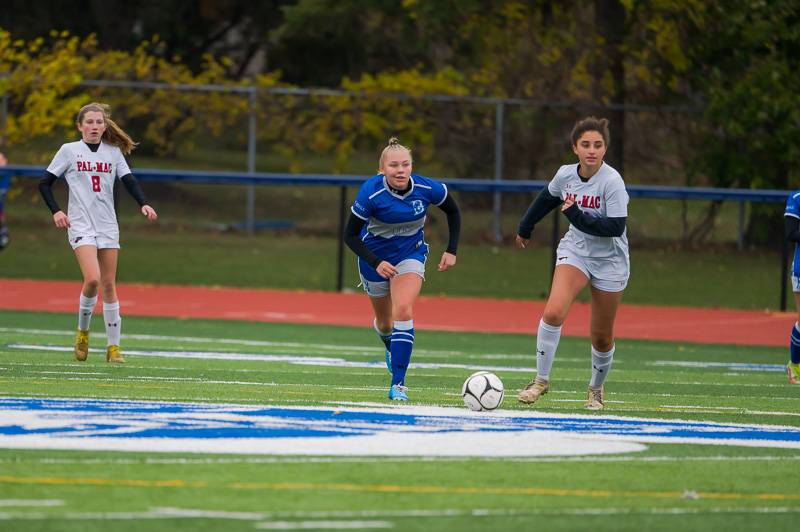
90	177
603	194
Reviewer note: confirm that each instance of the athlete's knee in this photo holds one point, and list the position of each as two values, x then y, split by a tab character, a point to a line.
109	290
553	315
603	342
91	283
403	311
384	324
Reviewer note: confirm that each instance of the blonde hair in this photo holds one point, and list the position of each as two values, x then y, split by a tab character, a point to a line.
393	144
113	134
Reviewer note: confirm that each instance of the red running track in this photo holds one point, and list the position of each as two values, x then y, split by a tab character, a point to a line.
435	313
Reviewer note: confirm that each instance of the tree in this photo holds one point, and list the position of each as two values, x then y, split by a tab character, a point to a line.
186	29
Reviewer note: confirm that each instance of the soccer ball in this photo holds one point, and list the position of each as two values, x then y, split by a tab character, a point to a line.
482	391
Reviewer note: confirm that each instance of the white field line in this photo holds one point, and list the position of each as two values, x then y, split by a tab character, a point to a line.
288	358
726	409
181	513
141	378
109	377
312	402
258	401
30	502
369	460
323	525
735	366
380	364
369	350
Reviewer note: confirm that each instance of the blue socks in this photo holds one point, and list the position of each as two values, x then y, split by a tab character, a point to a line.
401	346
794	344
385	338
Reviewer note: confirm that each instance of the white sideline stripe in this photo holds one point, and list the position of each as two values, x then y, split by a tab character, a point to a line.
255	343
398	459
720	409
179	513
415	365
291	359
322	525
367	351
206	381
736	366
31	502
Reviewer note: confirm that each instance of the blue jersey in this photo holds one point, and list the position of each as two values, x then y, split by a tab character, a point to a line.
394	228
793	210
5	184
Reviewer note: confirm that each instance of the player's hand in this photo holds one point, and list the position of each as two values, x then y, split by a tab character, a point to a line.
61	220
567	204
3	160
386	270
522	243
448	261
148	211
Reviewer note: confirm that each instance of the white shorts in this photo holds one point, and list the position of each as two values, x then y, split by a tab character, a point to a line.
796	284
602	274
98	241
381	288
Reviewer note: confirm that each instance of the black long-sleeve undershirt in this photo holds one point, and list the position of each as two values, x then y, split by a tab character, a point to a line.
133	188
450	208
46	190
352	233
543	204
791	228
595	225
353	240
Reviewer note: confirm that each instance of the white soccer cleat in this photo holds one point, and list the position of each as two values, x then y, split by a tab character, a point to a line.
534	390
594	399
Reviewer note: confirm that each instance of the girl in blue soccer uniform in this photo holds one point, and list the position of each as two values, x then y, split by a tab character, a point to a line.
385	230
5	184
792	223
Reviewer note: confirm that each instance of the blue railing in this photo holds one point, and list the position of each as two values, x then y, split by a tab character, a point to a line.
465	185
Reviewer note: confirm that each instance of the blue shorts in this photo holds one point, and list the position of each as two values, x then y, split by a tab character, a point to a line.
5	184
377	286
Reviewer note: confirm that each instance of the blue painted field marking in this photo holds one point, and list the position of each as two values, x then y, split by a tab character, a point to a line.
739	366
85	419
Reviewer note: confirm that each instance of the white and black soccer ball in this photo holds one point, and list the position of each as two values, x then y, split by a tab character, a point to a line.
482	391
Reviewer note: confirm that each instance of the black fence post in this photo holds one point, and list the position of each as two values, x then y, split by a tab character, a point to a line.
784	272
340	256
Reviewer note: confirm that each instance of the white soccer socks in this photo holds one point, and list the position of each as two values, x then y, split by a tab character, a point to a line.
113	322
85	309
601	365
546	344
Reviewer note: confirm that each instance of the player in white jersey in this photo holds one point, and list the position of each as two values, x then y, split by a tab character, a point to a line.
91	167
385	230
594	251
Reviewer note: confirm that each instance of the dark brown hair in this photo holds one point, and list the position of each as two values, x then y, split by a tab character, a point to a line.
590	123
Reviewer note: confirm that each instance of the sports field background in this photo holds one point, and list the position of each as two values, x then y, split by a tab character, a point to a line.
667	487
